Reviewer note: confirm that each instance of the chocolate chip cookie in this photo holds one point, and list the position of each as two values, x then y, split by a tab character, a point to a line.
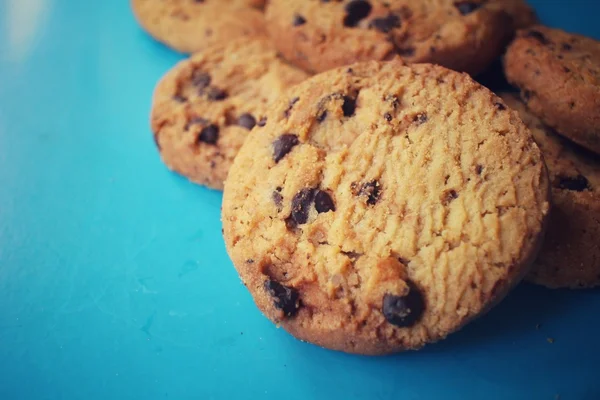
191	25
558	74
570	256
318	35
383	206
205	107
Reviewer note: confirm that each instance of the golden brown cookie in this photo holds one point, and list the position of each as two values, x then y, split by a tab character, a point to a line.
570	256
192	25
318	35
559	77
205	107
382	207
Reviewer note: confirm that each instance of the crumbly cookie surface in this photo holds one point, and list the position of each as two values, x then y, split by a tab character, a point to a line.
570	256
382	207
206	106
191	25
558	74
463	35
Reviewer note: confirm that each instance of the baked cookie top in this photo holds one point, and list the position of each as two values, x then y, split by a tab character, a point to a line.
192	25
319	35
205	107
558	74
570	256
382	206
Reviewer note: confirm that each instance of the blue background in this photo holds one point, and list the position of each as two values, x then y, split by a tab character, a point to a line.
114	280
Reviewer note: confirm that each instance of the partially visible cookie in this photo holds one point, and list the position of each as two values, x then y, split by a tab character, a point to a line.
318	35
558	74
205	107
570	256
521	14
192	25
382	206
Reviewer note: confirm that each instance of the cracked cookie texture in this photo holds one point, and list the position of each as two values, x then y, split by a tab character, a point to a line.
558	74
383	206
570	255
463	35
206	106
192	25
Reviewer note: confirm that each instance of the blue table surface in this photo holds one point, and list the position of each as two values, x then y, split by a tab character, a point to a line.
114	280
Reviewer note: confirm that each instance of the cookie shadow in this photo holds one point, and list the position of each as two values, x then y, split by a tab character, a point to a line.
526	309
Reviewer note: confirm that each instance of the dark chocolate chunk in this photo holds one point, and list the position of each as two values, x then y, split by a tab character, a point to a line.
577	183
298	20
262	122
566	47
179	98
420	118
293	101
406	51
247	121
356	10
216	94
283	145
209	134
200	79
537	35
277	199
448	196
404	311
301	205
321	116
466	7
370	190
286	299
388	117
349	106
385	24
324	202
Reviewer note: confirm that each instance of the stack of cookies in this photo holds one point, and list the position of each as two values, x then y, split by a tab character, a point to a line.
376	197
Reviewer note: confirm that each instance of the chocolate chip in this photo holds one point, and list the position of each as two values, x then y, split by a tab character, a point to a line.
301	205
247	121
478	169
209	134
404	311
420	118
277	199
388	117
537	35
321	117
406	51
349	106
566	47
448	196
262	122
385	24
216	94
179	98
283	145
323	202
370	190
466	7
499	106
577	183
285	298
200	79
290	224
195	121
356	10
293	101
298	20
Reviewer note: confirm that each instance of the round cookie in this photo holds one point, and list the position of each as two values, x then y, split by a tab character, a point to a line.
192	25
204	108
318	35
558	74
382	206
570	256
